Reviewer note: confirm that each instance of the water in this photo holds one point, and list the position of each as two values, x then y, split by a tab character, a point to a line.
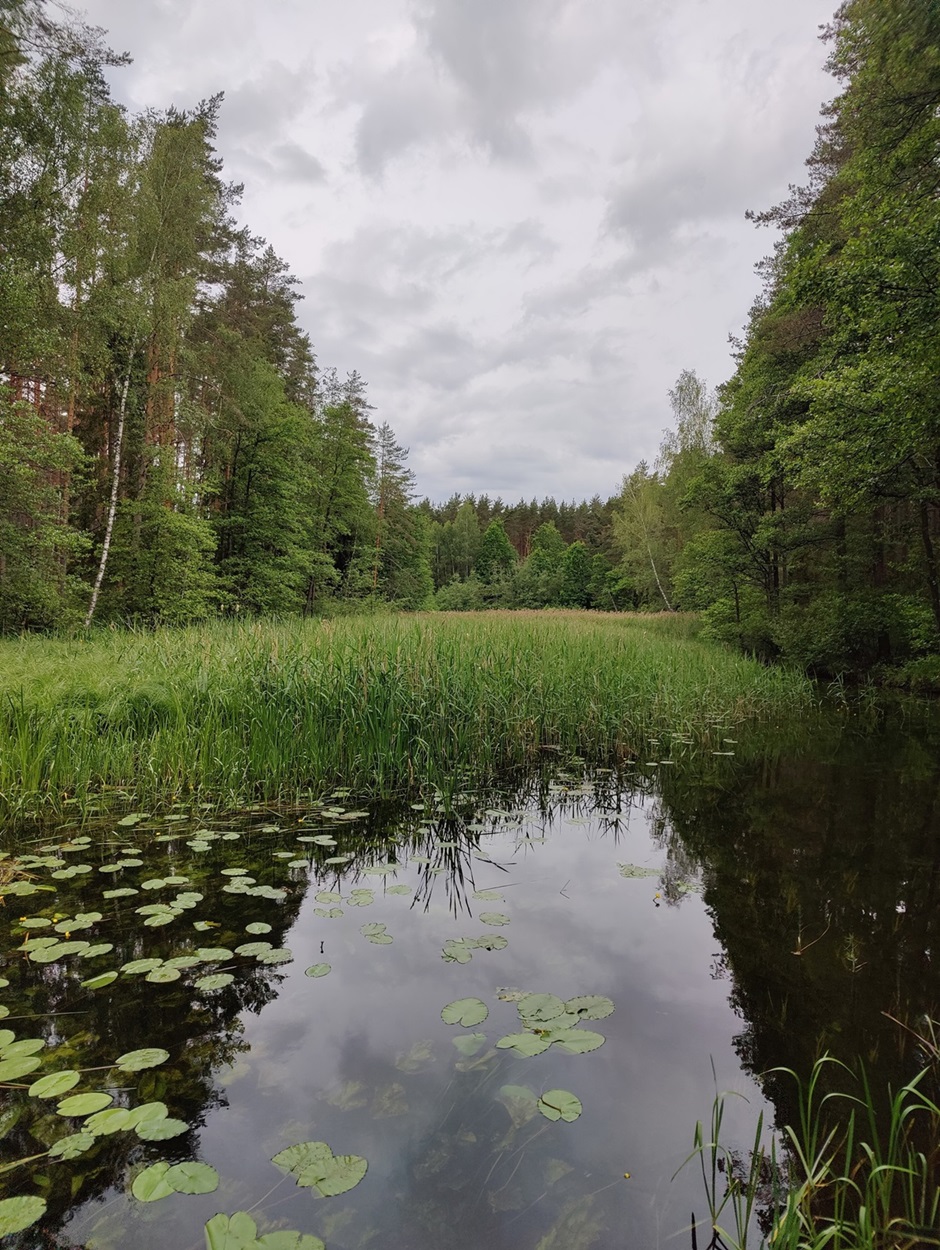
740	912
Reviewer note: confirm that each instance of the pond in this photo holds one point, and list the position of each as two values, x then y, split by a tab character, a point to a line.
503	1022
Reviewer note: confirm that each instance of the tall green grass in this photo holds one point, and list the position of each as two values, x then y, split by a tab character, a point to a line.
239	711
850	1175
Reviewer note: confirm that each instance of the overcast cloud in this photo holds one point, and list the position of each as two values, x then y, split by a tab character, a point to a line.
518	219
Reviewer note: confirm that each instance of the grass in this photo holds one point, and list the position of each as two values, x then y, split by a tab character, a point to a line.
384	705
844	1178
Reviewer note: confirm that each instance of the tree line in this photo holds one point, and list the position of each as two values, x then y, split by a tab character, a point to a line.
171	450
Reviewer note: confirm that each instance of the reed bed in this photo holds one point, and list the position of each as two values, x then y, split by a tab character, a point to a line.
382	705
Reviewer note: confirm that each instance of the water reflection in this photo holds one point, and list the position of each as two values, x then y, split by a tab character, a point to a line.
792	901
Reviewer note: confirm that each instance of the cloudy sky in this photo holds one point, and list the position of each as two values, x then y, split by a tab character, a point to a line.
518	219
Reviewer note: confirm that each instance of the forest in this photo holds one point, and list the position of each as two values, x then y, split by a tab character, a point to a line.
172	450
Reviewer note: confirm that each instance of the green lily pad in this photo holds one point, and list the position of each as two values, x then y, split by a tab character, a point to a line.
590	1007
470	1043
28	1046
494	918
98	982
240	1232
399	889
526	1044
328	913
140	1060
489	896
103	1123
215	981
558	1104
465	1011
147	1111
254	948
72	1147
84	1104
125	892
192	1178
136	966
318	970
539	1008
579	1041
150	1184
213	954
456	951
19	1213
163	975
280	955
314	1166
13	1069
160	1130
257	926
102	948
54	1084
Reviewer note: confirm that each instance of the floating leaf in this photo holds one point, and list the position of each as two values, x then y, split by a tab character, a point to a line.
19	1213
125	892
54	1084
84	1104
253	948
192	1178
213	954
376	933
417	1057
465	1011
579	1041
558	1104
182	962
494	918
526	1044
469	1043
538	1008
160	1130
521	1103
215	981
133	818
280	955
28	1046
489	896
399	889
318	970
147	1111
140	965
72	1147
239	1232
634	870
489	942
456	951
150	1184
163	975
590	1007
257	926
13	1069
97	983
102	948
314	1166
328	913
103	1123
139	1060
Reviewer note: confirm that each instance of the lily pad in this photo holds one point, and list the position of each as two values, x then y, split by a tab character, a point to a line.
136	966
558	1104
54	1084
213	954
103	1123
84	1104
163	975
539	1008
19	1213
72	1147
280	955
13	1069
97	983
470	1044
253	948
318	970
257	926
192	1178
526	1044
140	1060
328	913
465	1011
590	1007
579	1041
150	1184
400	889
240	1232
160	1130
215	981
314	1166
494	918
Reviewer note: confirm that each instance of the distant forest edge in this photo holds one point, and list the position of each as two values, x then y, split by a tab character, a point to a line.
170	449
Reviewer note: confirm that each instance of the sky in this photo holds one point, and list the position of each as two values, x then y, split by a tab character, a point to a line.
519	220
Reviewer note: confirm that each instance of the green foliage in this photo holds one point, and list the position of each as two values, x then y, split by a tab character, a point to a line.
496	559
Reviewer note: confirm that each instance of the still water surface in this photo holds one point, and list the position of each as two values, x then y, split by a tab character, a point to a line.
740	911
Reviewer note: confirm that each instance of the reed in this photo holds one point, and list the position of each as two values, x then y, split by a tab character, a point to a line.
850	1175
238	711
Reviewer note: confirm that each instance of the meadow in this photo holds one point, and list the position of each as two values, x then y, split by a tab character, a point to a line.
241	711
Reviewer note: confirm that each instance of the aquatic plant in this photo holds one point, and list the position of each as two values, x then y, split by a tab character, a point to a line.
382	706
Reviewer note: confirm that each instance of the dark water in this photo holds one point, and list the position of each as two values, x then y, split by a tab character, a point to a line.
740	911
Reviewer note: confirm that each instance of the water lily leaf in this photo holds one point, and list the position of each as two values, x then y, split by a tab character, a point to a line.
253	948
526	1044
140	1060
494	918
456	951
558	1104
140	965
7	1036
73	1146
182	962
231	1232
98	982
150	1184
84	1104
318	970
203	926
328	913
133	818
268	891
521	1103
287	1239
258	926
162	918
28	1046
160	1130
19	1213
380	870
236	872
213	954
13	1069
634	870
314	1166
124	892
417	1057
465	1011
35	922
469	1043
489	942
399	889
329	896
360	898
147	1111
103	1123
192	1178
489	896
102	948
590	1006
163	975
321	839
538	1008
215	981
54	1084
280	955
579	1041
